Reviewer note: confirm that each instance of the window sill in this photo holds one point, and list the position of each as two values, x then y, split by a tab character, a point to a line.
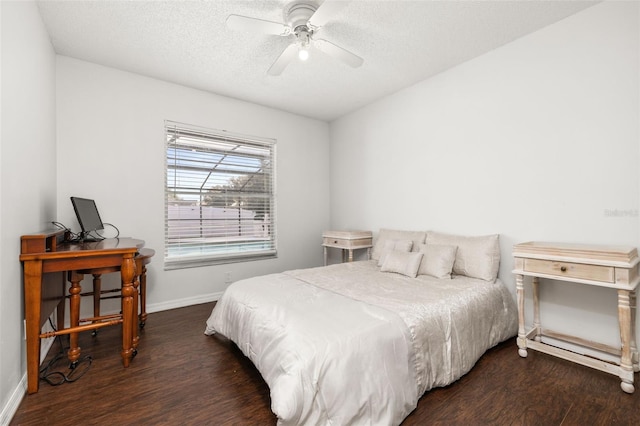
197	262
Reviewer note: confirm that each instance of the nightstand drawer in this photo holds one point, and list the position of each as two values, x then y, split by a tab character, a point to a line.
346	242
570	270
347	239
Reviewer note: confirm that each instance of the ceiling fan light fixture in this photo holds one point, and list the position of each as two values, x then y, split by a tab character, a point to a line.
302	20
303	34
303	53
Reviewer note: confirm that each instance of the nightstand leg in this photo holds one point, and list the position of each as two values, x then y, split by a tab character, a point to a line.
634	346
350	255
522	339
535	285
624	316
325	256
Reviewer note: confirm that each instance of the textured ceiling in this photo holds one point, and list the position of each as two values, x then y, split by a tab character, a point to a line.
188	43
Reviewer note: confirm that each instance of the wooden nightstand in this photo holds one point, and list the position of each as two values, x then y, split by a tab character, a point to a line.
348	241
602	266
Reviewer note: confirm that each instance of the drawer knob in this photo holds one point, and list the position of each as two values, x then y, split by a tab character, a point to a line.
563	268
335	242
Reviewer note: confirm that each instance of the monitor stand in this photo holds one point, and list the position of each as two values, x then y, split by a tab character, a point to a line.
86	238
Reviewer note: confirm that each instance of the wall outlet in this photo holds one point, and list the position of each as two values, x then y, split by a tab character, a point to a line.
227	278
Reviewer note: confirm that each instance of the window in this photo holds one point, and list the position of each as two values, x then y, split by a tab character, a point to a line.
220	197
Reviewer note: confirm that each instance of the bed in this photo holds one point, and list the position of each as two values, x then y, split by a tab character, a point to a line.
360	342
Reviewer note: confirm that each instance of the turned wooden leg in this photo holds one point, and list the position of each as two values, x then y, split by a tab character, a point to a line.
535	287
97	290
143	296
624	317
634	346
522	340
134	322
350	255
74	316
325	256
127	272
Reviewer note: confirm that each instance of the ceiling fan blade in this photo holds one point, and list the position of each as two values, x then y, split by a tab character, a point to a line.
326	11
283	60
338	52
254	25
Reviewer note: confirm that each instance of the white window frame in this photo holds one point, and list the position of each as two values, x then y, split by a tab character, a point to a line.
220	198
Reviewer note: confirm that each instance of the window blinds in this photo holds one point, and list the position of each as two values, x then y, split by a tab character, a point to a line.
220	197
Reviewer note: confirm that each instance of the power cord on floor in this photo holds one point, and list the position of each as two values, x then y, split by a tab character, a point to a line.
76	369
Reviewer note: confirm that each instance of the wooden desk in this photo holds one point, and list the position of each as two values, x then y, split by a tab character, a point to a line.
45	259
602	266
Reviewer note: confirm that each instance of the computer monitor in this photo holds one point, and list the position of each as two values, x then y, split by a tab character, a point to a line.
88	216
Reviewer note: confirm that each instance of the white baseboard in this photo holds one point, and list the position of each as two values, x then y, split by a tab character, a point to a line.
14	401
181	303
9	410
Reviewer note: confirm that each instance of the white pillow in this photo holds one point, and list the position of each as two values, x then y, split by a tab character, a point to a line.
402	262
476	257
391	245
438	260
418	237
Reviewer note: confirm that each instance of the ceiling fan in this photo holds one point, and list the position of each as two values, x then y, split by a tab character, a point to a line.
303	20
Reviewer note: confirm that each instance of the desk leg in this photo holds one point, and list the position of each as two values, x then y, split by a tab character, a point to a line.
634	346
134	322
74	316
143	296
522	339
33	304
624	317
127	272
97	292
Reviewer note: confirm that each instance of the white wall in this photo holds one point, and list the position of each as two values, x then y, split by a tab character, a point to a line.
111	148
27	175
536	140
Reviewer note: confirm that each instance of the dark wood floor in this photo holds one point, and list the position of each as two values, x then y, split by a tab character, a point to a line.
182	377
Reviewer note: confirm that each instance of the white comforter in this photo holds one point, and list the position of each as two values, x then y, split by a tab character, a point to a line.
348	344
